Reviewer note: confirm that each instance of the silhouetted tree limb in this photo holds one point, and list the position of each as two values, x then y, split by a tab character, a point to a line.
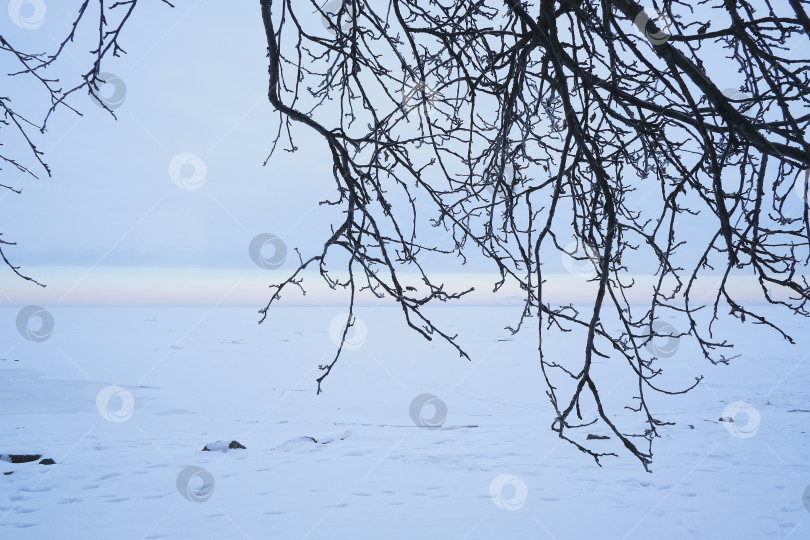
109	19
527	132
520	127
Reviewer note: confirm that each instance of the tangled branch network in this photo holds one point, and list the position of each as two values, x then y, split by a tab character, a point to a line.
595	131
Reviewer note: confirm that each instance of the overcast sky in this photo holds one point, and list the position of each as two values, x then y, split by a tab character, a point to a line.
175	187
195	84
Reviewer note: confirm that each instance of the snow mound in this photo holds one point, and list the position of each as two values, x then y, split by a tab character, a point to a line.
223	446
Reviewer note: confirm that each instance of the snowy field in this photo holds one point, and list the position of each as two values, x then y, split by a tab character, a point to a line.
124	400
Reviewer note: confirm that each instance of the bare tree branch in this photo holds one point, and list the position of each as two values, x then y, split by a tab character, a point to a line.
519	129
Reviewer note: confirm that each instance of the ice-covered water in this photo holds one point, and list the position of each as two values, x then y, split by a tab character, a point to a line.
124	399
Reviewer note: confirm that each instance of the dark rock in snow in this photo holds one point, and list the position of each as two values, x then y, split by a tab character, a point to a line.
222	446
591	437
8	473
47	461
19	458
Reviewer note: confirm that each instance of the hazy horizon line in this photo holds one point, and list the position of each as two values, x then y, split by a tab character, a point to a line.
145	285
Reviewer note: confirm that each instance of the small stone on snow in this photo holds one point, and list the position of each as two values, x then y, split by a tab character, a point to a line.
223	446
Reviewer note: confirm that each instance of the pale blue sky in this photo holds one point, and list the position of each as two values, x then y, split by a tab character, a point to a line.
196	83
111	218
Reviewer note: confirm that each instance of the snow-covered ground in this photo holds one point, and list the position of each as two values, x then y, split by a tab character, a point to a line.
124	400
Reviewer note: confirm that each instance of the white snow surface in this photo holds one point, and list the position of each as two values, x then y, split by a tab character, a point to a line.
124	399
